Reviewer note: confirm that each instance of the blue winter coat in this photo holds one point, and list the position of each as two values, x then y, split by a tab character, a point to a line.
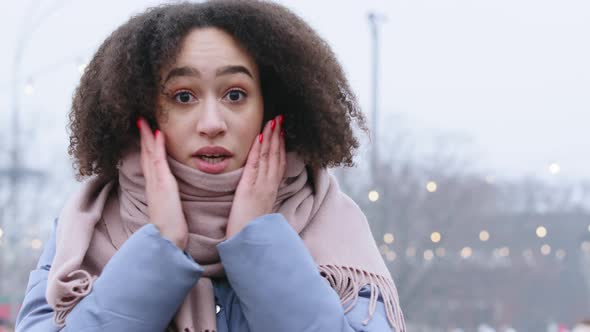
272	285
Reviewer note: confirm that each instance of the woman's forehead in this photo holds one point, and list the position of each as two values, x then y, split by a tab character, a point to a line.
212	52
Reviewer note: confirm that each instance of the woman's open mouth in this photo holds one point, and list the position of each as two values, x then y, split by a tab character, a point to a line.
212	159
212	164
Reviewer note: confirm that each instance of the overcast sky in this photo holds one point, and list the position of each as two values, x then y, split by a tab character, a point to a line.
513	76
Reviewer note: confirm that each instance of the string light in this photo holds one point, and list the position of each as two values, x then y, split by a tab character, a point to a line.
435	237
373	196
484	236
466	252
560	254
29	88
504	252
541	232
391	256
528	254
36	244
431	186
554	168
388	238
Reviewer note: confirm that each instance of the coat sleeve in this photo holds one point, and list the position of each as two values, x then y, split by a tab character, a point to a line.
139	289
280	288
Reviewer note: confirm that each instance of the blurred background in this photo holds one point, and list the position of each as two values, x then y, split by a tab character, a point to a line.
476	181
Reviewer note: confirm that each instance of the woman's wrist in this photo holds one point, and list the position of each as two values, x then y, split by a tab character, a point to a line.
180	240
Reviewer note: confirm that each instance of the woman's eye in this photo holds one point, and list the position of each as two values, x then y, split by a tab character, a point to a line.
184	97
235	96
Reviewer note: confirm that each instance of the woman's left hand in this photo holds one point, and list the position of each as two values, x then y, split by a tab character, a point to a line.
257	191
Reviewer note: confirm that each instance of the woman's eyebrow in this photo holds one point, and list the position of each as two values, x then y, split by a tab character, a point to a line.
191	71
228	70
182	71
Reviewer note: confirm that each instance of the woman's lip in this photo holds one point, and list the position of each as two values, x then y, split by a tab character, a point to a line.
212	151
207	167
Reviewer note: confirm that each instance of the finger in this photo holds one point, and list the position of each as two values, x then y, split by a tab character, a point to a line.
144	153
274	156
161	167
265	148
283	155
147	149
146	135
252	163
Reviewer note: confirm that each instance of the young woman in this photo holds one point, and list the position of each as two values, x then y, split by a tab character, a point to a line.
205	132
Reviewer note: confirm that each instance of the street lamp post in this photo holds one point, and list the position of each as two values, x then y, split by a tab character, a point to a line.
374	20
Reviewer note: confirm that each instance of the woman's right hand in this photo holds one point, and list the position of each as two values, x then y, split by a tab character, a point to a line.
163	198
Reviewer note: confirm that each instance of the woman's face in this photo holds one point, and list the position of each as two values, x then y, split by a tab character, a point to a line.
211	102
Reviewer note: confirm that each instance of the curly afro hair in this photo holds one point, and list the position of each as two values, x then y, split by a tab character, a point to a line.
299	74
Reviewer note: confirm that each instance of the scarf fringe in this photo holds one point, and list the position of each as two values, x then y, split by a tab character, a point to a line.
348	281
78	285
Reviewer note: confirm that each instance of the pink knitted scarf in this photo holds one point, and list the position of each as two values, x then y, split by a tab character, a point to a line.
101	215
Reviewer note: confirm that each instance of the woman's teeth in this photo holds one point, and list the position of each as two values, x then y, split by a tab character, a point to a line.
213	159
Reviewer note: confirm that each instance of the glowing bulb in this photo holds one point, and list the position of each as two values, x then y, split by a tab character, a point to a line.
388	238
428	255
554	168
466	252
484	235
545	249
431	186
504	252
390	256
541	232
435	237
528	254
36	244
373	196
560	254
29	88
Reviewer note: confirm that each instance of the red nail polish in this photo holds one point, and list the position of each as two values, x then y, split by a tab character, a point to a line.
273	124
281	119
260	138
139	123
157	133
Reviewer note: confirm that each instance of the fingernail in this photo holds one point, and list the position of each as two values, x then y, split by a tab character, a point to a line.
273	124
139	123
260	137
281	119
157	133
282	133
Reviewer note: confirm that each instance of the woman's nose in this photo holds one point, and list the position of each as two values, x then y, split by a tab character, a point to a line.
211	122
